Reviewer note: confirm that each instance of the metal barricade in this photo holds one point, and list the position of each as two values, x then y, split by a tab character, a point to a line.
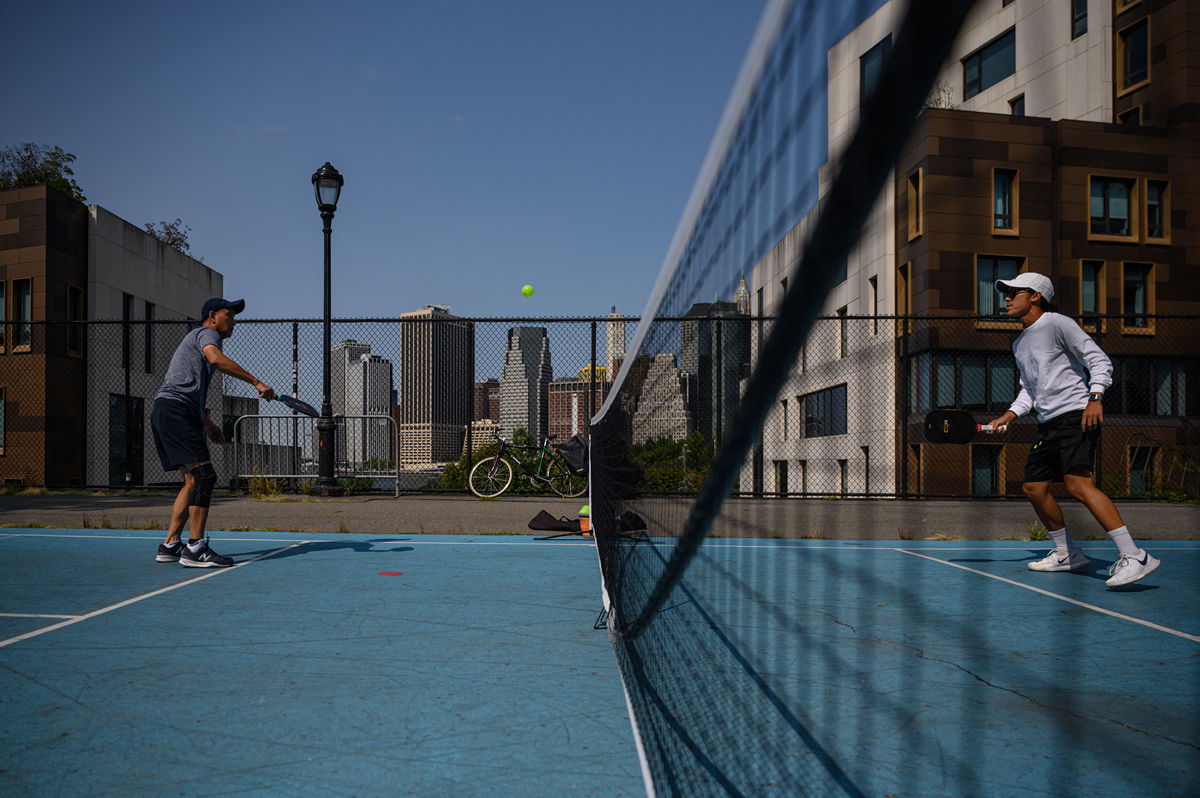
274	447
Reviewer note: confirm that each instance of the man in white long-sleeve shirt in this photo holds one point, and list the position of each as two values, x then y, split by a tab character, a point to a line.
1064	375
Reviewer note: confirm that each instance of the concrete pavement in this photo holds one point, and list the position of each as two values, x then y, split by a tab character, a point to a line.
458	514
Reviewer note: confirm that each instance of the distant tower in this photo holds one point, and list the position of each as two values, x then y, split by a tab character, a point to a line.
614	342
369	392
525	382
345	357
437	374
741	297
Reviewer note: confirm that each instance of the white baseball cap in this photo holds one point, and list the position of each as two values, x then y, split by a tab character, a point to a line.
1038	283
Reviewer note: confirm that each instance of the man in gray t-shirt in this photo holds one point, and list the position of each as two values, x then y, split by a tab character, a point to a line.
179	421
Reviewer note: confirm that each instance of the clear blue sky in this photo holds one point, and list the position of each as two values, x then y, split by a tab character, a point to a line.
485	144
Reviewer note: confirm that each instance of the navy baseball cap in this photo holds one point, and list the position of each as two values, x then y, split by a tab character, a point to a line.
217	303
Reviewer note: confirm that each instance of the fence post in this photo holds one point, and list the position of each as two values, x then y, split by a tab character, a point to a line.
295	393
902	404
127	356
591	397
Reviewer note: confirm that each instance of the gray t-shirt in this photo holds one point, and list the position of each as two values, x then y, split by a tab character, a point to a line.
190	372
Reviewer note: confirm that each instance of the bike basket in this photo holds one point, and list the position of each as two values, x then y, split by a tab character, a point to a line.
575	454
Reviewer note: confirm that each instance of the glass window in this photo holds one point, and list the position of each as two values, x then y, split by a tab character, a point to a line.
1134	60
974	382
1004	381
914	204
1090	287
1078	18
22	312
987	271
148	341
1110	200
870	67
944	380
74	314
1156	201
985	470
990	64
843	332
825	412
1132	117
1003	210
1136	294
1163	389
1016	106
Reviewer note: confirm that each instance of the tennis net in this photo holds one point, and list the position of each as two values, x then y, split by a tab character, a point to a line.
716	661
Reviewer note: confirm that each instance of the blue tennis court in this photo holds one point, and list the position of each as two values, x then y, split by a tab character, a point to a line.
443	665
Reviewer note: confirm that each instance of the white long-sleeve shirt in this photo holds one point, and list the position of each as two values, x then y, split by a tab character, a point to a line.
1059	365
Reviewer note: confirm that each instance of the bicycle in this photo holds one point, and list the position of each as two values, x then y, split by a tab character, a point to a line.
493	475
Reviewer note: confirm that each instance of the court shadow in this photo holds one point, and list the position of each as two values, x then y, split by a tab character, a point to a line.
317	547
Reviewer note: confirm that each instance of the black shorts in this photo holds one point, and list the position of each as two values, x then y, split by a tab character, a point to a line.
178	434
1062	446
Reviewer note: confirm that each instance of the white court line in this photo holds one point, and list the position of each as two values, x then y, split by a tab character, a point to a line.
384	537
103	610
32	615
1176	632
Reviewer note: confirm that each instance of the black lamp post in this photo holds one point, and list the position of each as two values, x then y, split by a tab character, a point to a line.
327	183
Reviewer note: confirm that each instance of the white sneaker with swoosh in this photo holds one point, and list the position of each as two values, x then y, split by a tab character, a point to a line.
1130	568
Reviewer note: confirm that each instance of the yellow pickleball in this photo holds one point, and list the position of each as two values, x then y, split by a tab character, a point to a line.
527	290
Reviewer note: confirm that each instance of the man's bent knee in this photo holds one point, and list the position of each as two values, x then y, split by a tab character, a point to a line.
1035	490
204	480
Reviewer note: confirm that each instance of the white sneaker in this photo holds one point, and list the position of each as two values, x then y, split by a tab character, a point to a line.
1130	568
1061	561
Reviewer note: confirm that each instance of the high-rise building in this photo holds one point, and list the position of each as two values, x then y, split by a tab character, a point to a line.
662	410
525	381
614	340
715	348
569	407
486	404
437	372
368	392
344	358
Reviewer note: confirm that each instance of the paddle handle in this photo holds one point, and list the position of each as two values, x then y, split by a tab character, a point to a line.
990	428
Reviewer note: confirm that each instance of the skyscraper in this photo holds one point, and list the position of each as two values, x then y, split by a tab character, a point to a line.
344	356
715	348
614	341
525	382
368	391
344	360
437	372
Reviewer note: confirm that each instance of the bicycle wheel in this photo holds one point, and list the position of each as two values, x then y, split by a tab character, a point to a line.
563	482
490	477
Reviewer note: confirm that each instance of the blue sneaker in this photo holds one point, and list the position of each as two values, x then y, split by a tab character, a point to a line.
204	557
169	553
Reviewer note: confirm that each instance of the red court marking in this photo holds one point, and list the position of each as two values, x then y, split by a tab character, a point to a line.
389	573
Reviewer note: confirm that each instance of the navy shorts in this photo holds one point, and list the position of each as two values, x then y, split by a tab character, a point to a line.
178	434
1062	446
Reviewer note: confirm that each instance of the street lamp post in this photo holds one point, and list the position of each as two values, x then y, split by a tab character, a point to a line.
327	183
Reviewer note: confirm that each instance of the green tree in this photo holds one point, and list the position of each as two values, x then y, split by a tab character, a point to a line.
173	234
29	164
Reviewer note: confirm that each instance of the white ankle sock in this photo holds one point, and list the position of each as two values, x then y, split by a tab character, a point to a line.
194	546
1124	541
1062	539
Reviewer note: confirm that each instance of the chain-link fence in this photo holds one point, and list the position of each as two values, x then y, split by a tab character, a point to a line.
76	402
